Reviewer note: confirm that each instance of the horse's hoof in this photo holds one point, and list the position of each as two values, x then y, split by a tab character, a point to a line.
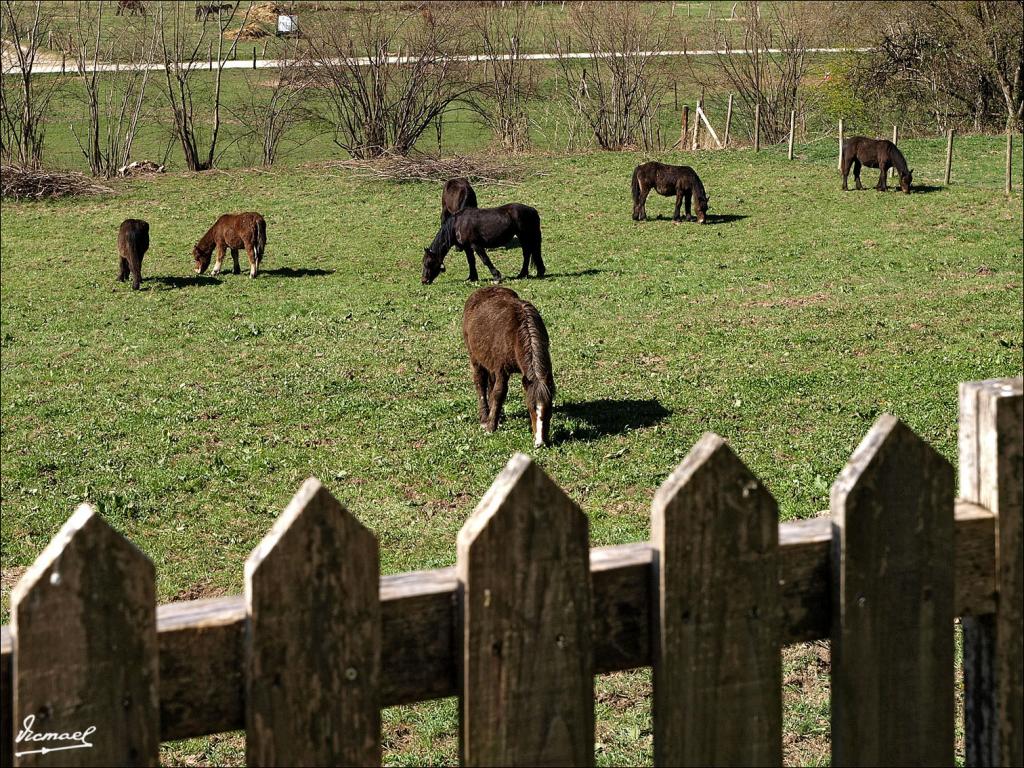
522	276
472	279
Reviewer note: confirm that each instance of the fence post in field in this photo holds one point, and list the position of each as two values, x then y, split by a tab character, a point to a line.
1009	161
949	156
527	681
728	122
685	127
313	646
757	127
892	602
840	144
792	127
83	623
696	124
254	57
895	141
992	475
717	665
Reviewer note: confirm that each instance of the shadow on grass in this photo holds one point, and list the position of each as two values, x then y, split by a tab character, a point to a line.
581	273
725	218
924	189
291	272
606	417
185	281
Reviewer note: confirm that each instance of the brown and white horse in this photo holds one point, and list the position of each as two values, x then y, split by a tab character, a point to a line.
506	335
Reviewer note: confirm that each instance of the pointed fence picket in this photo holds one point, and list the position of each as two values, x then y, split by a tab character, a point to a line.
519	627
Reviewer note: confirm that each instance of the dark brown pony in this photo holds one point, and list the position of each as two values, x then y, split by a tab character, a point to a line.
874	153
132	244
667	180
505	335
458	194
135	6
479	228
232	231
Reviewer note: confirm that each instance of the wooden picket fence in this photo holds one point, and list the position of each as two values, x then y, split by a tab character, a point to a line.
520	626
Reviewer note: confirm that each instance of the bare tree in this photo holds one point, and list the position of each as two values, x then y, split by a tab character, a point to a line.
271	111
24	97
184	51
115	108
768	67
510	79
387	74
948	63
617	93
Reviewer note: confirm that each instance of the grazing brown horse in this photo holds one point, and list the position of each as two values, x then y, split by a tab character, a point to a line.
480	228
874	153
667	180
505	335
132	244
458	194
232	231
135	6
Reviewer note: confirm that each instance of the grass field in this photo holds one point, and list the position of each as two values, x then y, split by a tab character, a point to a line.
189	412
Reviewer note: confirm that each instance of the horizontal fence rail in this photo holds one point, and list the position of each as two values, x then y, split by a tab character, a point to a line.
320	642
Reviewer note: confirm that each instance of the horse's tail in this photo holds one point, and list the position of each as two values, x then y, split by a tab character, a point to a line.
636	186
261	237
533	337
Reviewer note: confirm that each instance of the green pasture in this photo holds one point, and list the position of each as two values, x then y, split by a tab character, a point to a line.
189	412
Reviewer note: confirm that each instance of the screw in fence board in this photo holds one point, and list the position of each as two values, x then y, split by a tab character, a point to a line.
313	656
1009	162
840	164
949	157
527	670
892	607
757	127
992	475
717	663
85	646
792	127
728	122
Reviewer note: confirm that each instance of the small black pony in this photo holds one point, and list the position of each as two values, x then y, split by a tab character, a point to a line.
679	180
479	228
457	194
874	153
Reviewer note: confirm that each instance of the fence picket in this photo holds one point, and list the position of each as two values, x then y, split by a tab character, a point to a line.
85	649
527	670
892	608
992	475
313	673
717	667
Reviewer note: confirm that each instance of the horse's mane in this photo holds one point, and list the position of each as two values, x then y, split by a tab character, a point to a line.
899	162
208	241
533	337
698	187
445	238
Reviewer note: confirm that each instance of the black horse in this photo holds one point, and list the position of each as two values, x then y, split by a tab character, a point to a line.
458	194
679	180
874	153
474	229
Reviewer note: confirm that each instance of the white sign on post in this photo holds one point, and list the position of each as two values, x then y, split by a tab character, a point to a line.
287	24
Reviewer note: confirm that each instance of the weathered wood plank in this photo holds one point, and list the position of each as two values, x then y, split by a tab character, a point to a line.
717	668
527	693
992	474
201	641
313	645
6	701
85	650
892	617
